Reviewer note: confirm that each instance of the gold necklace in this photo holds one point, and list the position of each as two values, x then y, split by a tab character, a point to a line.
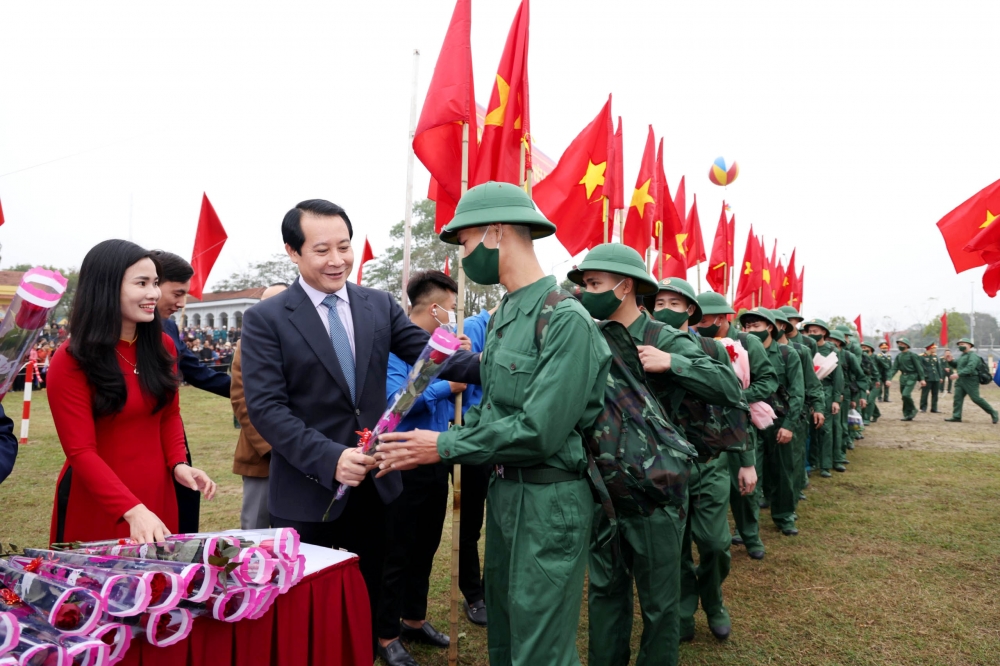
135	369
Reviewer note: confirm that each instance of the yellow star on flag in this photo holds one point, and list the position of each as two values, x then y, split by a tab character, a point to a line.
680	244
641	197
766	276
593	177
748	270
989	219
495	117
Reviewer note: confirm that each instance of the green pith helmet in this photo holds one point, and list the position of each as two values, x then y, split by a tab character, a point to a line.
865	344
838	336
679	286
618	259
762	313
780	317
496	203
931	344
790	312
967	341
817	322
843	328
903	341
713	304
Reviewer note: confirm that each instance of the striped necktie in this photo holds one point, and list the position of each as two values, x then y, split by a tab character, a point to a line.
341	344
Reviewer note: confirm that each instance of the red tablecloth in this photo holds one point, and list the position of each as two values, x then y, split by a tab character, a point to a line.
324	620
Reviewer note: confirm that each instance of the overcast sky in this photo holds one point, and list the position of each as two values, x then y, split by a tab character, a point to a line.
857	125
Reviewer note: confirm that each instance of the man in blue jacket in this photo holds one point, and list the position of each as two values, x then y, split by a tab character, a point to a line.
8	445
175	280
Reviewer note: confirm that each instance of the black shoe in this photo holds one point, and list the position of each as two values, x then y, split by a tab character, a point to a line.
825	474
935	411
839	468
754	555
476	612
722	633
909	418
687	638
923	411
737	540
955	421
395	654
764	504
802	497
847	462
425	634
791	531
996	417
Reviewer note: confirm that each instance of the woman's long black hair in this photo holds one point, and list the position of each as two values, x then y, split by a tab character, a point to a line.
96	326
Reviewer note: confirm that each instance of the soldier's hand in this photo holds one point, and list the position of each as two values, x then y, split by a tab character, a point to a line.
922	383
864	403
853	404
400	451
747	479
836	408
466	342
784	436
654	360
819	418
888	384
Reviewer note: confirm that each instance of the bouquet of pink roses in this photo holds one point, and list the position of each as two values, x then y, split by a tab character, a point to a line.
36	296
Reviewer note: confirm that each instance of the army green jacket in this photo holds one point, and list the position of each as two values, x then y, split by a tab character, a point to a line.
909	364
814	388
833	384
950	367
534	401
933	369
968	364
789	375
872	370
855	381
804	339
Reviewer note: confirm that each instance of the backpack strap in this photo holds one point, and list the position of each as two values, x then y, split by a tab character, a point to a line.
553	299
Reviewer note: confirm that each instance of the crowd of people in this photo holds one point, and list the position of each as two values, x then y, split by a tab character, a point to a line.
612	430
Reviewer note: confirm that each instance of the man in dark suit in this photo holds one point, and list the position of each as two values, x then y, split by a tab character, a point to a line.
175	281
315	363
8	445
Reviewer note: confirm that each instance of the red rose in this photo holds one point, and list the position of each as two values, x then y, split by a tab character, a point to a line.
157	585
67	617
31	317
733	354
163	630
232	605
438	356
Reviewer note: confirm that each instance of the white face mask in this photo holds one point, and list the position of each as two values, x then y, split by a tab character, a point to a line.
451	324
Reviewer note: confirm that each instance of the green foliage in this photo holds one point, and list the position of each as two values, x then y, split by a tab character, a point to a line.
837	320
279	268
958	327
427	253
62	308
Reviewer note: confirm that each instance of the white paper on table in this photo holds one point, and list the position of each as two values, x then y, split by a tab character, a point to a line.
319	558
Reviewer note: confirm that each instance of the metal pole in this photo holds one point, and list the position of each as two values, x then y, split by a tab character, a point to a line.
698	268
408	213
456	504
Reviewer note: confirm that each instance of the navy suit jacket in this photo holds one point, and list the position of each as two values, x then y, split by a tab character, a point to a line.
299	401
8	445
194	372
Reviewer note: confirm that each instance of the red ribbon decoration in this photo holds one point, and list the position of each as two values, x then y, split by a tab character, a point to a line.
364	436
9	598
32	566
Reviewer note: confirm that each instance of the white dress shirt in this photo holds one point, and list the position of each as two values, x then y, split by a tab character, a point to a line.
343	310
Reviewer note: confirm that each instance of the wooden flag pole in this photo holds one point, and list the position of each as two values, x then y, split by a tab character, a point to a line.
606	220
698	268
408	213
456	504
659	236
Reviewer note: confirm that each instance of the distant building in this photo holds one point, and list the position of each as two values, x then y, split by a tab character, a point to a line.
219	309
9	280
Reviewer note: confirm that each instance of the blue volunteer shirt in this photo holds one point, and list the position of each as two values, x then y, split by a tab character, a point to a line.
475	327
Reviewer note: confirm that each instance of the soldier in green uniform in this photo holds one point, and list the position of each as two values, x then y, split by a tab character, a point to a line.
537	398
949	365
763	383
859	389
966	378
778	460
650	546
854	384
708	489
933	374
799	337
876	376
821	450
911	371
886	361
812	412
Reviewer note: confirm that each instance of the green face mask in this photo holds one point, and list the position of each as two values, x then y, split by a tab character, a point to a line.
901	348
760	335
483	264
963	348
817	338
671	317
709	331
601	305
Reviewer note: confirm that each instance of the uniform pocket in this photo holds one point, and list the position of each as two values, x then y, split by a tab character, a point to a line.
512	373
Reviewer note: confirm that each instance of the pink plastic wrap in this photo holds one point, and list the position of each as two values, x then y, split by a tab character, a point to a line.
71	610
80	650
36	296
30	652
117	636
125	594
9	632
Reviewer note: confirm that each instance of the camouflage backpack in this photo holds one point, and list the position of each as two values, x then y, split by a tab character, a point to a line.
712	429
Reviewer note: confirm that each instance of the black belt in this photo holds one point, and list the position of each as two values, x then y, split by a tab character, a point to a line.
536	474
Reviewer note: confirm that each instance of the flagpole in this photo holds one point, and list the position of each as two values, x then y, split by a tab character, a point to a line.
659	234
408	213
605	218
456	479
698	268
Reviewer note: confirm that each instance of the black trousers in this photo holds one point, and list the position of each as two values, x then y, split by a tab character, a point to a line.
360	529
475	483
188	502
413	532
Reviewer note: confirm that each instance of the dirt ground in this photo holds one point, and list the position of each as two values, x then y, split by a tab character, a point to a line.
928	432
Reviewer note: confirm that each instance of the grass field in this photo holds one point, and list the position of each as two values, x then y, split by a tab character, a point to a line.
897	560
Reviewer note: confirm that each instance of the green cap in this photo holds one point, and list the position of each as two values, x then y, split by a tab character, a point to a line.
496	203
790	312
904	341
679	286
838	336
618	259
780	316
865	344
762	313
816	322
843	328
965	340
713	304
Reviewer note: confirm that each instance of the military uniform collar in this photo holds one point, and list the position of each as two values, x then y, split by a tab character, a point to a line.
526	298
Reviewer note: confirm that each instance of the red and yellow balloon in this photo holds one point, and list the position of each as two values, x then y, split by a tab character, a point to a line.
722	175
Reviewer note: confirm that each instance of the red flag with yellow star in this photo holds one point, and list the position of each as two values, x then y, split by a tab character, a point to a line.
449	105
673	262
572	195
694	243
717	274
750	272
506	125
732	240
787	282
642	208
617	187
767	277
966	222
680	202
